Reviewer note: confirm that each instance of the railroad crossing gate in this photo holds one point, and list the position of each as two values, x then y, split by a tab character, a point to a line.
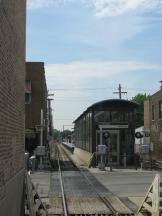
151	202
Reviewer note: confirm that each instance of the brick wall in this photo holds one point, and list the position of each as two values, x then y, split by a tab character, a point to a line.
35	73
12	71
155	125
147	114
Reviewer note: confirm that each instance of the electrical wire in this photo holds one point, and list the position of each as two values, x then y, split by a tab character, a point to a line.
101	88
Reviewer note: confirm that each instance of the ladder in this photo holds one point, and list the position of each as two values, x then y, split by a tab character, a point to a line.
33	203
152	203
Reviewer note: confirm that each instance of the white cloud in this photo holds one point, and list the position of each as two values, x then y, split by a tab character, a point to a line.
118	7
104	7
97	69
80	75
75	74
33	4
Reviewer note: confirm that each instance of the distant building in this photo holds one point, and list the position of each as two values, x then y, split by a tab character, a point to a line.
12	106
153	121
35	101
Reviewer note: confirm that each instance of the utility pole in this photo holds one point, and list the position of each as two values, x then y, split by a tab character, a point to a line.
50	120
50	116
41	138
120	92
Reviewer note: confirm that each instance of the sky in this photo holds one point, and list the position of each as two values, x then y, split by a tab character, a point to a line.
90	46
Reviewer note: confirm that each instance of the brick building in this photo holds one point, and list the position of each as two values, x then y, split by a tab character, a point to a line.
12	109
35	100
153	121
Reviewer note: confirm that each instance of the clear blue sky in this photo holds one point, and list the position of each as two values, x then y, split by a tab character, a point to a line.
95	44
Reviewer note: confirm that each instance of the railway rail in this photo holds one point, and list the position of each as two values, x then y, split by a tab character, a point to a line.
79	195
62	188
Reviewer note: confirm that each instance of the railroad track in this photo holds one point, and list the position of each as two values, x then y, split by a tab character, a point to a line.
62	188
83	198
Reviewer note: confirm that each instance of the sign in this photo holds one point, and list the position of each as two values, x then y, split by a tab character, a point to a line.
112	126
138	135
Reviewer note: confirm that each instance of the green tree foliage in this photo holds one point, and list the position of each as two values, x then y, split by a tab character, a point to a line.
59	135
66	133
56	135
140	98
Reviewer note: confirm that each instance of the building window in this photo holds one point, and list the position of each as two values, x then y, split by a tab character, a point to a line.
28	86
27	92
160	110
153	112
27	98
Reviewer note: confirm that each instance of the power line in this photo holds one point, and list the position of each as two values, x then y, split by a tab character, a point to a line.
82	89
100	88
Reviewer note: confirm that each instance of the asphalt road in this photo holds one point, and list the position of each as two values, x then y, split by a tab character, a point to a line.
126	183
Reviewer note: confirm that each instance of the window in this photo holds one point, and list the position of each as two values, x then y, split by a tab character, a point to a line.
27	92
160	109
153	112
27	98
28	86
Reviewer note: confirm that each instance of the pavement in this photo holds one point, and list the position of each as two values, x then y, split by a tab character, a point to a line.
41	181
125	183
122	182
129	185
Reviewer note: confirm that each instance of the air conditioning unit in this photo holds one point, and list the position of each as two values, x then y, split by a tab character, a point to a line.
40	151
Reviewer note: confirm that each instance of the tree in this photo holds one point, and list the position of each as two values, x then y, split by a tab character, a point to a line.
66	133
59	135
139	118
